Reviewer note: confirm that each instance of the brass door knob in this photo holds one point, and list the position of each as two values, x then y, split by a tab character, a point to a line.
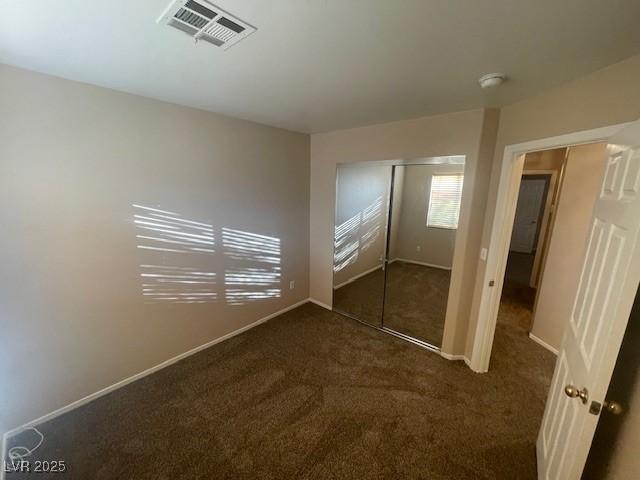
574	392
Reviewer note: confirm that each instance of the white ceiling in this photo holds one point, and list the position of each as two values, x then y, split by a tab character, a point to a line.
318	65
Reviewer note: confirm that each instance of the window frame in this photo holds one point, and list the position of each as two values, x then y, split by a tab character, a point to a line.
430	199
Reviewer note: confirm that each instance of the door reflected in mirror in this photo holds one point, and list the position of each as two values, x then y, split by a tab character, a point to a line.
362	198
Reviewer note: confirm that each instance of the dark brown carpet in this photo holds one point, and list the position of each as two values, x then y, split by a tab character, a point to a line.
314	395
362	298
415	300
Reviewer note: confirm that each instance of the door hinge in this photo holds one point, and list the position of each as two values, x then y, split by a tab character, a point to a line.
492	283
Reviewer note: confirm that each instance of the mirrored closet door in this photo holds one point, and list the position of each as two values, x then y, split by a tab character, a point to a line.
396	225
362	206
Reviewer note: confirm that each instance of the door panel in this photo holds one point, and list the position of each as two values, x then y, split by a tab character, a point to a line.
421	253
525	224
362	198
609	279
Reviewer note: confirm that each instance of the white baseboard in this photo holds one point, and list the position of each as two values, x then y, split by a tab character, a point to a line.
543	343
78	403
320	304
468	362
450	356
405	260
360	275
424	264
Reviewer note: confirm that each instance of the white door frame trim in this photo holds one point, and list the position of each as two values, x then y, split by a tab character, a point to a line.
511	169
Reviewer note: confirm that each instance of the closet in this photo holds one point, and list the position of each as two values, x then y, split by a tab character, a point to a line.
395	232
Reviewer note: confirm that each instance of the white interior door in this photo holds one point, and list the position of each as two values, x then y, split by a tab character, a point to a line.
608	283
525	224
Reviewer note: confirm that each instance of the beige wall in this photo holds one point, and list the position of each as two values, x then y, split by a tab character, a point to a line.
580	188
545	160
73	160
361	220
436	244
606	97
469	133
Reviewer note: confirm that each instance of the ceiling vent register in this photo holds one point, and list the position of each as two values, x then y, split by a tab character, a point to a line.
204	21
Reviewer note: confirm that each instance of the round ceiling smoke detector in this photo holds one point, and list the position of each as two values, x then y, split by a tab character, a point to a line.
491	80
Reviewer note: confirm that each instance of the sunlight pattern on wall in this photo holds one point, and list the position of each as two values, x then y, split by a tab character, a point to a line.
357	234
176	246
185	263
258	272
169	232
162	283
346	242
372	224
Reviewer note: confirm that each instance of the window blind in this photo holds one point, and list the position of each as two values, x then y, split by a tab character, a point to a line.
444	200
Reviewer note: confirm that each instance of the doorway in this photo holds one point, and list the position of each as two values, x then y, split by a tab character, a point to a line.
529	211
533	216
550	232
536	204
529	228
608	280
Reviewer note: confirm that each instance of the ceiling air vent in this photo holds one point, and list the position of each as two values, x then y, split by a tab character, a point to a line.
204	21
